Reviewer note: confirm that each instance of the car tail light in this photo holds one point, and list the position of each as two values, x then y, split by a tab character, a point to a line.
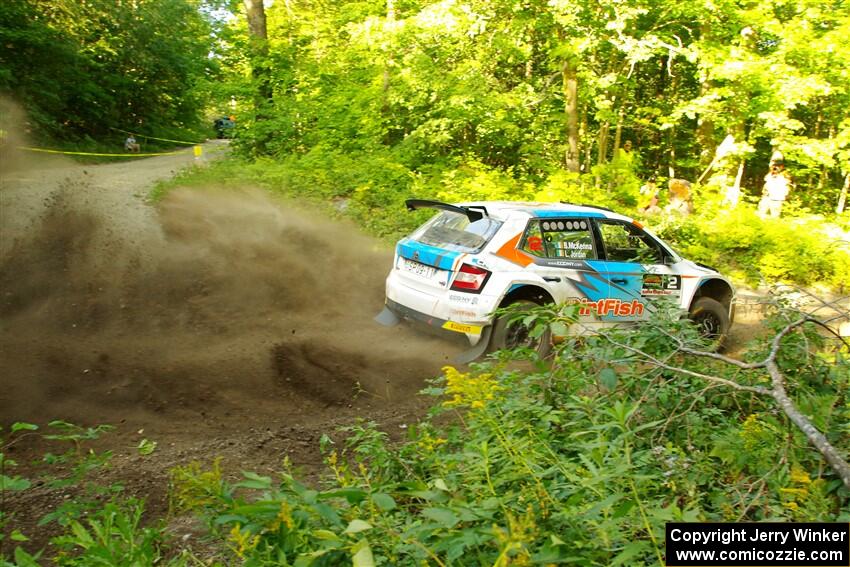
470	278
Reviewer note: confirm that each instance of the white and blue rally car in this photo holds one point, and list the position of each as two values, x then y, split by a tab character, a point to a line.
471	259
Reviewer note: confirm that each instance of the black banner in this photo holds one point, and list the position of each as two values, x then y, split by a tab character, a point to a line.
758	544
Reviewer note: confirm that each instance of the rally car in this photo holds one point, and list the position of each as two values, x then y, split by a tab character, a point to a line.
470	259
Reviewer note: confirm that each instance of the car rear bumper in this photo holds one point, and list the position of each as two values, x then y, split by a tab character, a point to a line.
442	327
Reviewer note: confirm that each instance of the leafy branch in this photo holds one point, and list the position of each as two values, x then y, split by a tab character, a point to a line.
777	391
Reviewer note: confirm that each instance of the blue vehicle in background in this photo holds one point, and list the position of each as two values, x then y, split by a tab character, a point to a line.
224	126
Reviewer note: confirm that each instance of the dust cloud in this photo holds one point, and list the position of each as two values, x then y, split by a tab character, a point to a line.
213	307
13	134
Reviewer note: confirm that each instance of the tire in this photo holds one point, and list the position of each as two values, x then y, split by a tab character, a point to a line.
510	335
712	319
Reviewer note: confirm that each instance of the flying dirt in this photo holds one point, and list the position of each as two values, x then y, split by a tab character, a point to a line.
214	307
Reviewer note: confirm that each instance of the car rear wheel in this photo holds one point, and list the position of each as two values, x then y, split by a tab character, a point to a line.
712	320
509	333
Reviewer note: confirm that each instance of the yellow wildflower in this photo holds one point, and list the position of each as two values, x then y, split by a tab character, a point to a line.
427	442
284	516
241	541
516	539
800	476
469	390
752	431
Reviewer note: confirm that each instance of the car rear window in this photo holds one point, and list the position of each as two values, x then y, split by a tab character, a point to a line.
453	231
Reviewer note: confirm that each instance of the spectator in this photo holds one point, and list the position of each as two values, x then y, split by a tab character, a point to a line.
649	197
680	197
131	145
777	185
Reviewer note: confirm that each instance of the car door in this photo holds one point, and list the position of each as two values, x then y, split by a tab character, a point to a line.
563	249
634	264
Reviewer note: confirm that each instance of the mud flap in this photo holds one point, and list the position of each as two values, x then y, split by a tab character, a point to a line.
387	318
478	350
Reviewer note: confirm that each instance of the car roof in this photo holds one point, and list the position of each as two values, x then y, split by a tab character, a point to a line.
505	209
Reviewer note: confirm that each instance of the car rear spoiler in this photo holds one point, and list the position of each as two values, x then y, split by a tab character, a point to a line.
473	213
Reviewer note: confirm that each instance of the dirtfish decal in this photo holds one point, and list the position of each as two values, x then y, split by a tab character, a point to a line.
613	307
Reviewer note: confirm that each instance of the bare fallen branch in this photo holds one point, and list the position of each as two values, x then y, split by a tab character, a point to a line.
777	391
685	371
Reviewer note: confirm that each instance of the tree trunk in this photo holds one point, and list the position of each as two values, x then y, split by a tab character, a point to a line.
735	168
705	125
256	16
390	24
824	172
602	143
385	86
618	132
671	165
588	145
569	71
733	194
842	199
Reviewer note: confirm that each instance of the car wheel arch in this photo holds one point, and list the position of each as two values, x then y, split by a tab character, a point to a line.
527	292
716	289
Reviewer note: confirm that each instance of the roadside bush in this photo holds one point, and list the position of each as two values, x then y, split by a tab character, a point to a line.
802	250
97	526
580	460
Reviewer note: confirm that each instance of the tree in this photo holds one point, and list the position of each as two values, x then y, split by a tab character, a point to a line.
259	51
80	69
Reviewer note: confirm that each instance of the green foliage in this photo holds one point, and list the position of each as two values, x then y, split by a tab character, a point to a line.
193	488
81	68
442	88
71	468
803	250
583	461
112	535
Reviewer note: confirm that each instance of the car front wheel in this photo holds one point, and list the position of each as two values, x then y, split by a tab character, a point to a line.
509	332
712	320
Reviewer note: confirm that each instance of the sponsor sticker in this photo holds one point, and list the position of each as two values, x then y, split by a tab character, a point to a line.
608	307
660	284
462	328
463	313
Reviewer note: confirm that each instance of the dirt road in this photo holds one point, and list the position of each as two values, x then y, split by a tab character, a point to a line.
215	323
210	305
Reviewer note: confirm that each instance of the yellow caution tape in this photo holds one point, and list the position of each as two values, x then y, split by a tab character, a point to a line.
155	138
96	154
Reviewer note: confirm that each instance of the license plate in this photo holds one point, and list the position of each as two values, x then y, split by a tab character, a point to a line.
462	328
421	270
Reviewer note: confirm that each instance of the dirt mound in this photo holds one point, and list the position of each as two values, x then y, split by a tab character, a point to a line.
217	306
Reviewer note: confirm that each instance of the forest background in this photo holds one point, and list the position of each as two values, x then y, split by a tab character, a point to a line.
358	106
372	102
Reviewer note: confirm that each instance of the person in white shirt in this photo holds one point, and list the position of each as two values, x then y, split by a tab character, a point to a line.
131	145
777	185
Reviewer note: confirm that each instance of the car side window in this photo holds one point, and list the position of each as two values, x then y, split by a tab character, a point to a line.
625	242
559	238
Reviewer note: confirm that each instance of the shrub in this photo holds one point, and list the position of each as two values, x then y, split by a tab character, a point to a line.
582	460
